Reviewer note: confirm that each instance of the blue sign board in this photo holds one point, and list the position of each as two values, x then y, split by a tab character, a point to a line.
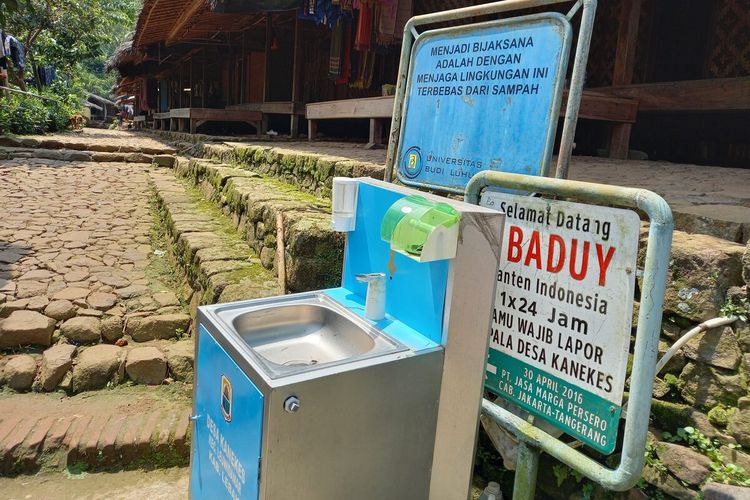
229	428
483	97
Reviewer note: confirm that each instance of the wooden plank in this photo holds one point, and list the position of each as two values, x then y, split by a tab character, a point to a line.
223	115
190	10
271	108
596	106
370	107
720	94
180	113
161	116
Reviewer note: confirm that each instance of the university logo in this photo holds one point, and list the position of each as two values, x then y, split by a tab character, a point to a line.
411	164
226	398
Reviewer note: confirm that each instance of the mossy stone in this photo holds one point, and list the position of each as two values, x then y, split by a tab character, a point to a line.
720	415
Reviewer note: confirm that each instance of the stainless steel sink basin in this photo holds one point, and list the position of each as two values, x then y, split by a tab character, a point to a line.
299	333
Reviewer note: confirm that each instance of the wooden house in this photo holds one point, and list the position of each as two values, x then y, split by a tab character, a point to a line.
669	78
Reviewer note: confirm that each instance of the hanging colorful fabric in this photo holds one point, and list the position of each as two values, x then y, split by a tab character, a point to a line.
387	21
347	56
363	39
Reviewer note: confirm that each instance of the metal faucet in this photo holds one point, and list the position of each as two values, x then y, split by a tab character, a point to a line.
375	300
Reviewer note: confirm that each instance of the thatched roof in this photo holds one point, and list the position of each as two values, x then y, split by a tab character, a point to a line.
125	53
177	21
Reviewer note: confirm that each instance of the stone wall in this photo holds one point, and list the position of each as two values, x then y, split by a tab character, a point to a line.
701	407
310	172
313	252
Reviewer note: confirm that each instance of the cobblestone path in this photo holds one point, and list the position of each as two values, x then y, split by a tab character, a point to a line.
74	243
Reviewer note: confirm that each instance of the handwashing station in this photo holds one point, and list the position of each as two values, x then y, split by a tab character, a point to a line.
367	391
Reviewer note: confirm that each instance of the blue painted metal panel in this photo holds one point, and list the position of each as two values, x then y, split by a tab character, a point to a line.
483	97
228	431
415	294
390	325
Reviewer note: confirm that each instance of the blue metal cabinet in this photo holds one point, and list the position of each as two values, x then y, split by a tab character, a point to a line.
228	426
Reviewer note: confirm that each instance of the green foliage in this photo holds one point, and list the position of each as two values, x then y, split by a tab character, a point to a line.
693	437
721	472
8	7
64	33
563	472
735	309
22	114
672	381
652	460
74	36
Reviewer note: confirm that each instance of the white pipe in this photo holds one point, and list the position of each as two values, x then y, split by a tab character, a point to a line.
706	325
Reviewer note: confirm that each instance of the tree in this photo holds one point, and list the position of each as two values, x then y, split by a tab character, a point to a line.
65	32
6	7
74	36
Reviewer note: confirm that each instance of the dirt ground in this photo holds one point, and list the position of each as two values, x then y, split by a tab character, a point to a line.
122	400
167	484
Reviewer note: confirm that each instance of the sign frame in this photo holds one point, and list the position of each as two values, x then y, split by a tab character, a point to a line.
577	77
533	440
552	356
553	20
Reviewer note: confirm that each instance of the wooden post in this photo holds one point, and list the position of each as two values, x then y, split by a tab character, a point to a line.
243	56
622	74
280	253
267	54
296	66
312	129
376	134
179	88
627	38
204	88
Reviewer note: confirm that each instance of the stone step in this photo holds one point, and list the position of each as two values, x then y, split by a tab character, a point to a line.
310	171
93	431
313	252
219	265
73	369
92	145
77	155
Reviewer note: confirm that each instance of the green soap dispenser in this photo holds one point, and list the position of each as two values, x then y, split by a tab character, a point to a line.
421	229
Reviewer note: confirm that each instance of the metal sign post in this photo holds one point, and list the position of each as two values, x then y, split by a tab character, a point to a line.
572	373
477	105
485	95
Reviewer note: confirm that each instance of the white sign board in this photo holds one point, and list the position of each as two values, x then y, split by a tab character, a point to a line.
561	324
